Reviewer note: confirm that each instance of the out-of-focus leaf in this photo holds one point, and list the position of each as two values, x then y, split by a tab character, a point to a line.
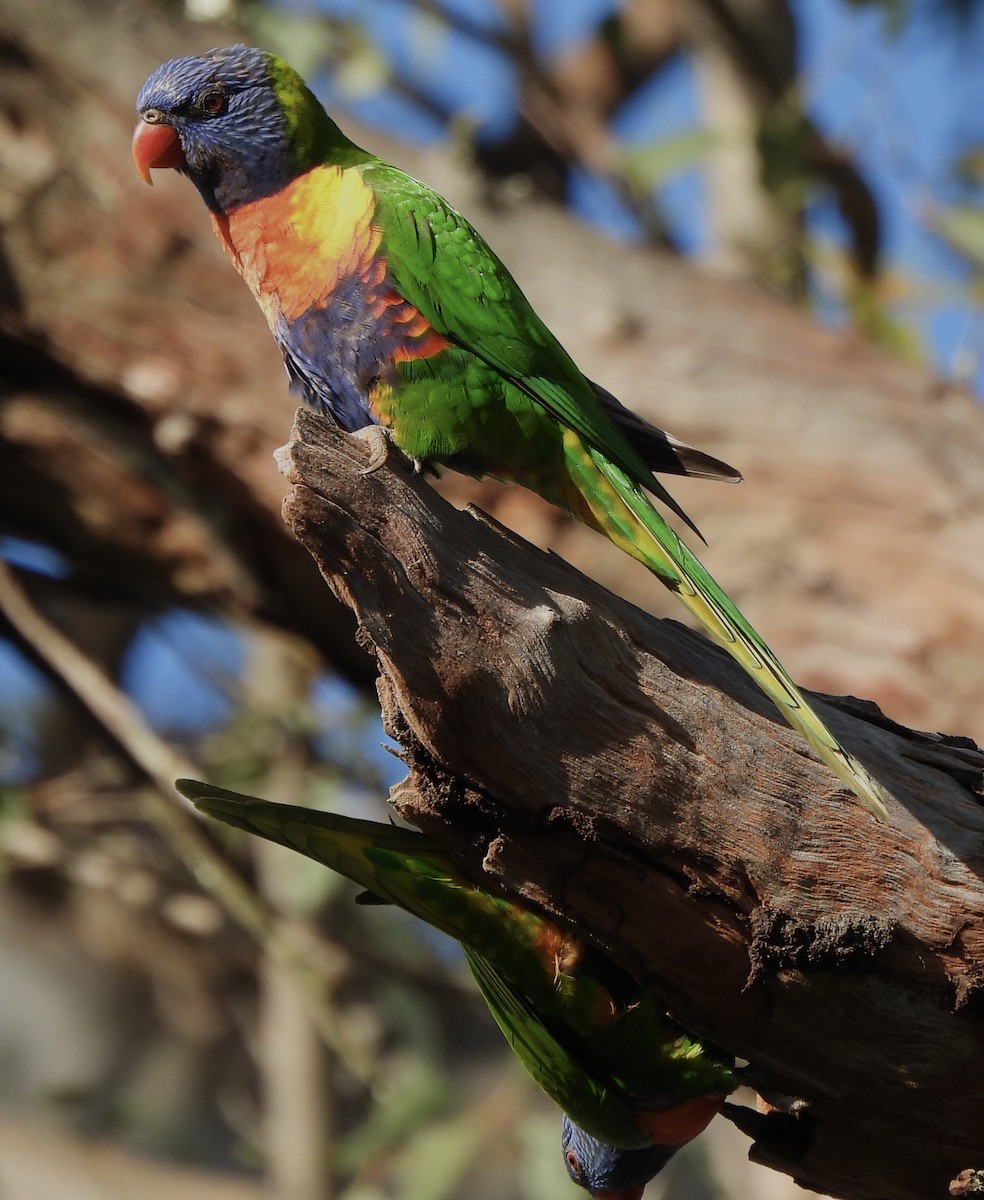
309	43
962	227
896	11
784	141
416	1092
403	1118
871	306
364	71
305	42
541	1170
969	167
872	316
647	166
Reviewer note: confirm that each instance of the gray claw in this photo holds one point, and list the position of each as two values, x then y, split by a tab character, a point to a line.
378	441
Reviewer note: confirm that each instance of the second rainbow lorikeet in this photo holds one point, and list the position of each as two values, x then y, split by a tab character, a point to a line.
633	1085
396	318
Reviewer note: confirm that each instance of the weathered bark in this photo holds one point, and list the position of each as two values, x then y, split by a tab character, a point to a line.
623	773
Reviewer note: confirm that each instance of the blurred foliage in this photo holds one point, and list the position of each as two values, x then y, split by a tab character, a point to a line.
897	12
962	226
646	167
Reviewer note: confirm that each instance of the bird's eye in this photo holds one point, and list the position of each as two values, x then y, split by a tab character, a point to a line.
211	101
573	1164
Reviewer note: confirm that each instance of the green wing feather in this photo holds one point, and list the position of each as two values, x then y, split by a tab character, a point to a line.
597	1057
446	270
601	1109
407	869
443	267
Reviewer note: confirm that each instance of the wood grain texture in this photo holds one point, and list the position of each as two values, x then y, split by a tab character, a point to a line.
621	772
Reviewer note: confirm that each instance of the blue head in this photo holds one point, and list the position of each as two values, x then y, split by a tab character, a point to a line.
609	1172
238	121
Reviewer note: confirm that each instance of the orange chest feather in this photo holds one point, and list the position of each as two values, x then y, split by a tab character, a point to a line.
293	248
679	1124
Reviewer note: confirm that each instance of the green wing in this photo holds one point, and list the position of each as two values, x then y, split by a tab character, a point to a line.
600	1108
445	269
440	264
406	868
593	1054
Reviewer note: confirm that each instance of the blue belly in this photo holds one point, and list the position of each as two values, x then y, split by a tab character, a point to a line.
335	354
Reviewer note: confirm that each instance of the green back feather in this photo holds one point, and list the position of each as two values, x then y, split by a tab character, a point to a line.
447	270
601	1109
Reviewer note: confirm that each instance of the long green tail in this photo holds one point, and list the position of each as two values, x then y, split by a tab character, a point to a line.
618	510
601	1055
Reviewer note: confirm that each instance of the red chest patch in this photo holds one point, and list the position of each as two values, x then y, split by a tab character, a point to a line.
680	1124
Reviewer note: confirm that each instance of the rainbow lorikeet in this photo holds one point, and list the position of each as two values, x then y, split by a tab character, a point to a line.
396	318
633	1085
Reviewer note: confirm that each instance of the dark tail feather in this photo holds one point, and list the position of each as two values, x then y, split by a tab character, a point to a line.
662	452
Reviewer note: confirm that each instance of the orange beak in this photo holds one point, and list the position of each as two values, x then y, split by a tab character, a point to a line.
155	146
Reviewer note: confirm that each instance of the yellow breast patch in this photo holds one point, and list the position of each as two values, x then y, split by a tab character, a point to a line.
292	248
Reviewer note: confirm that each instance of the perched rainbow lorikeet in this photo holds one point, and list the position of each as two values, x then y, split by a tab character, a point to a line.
396	318
633	1085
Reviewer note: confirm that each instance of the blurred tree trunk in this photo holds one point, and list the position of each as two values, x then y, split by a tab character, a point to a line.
749	229
769	148
292	1059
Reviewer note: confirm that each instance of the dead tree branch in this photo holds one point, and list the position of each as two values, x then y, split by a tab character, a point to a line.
623	773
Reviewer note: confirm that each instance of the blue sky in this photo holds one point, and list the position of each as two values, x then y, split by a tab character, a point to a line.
906	105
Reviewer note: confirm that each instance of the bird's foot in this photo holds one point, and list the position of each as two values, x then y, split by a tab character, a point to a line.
967	1183
382	450
775	1133
378	440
